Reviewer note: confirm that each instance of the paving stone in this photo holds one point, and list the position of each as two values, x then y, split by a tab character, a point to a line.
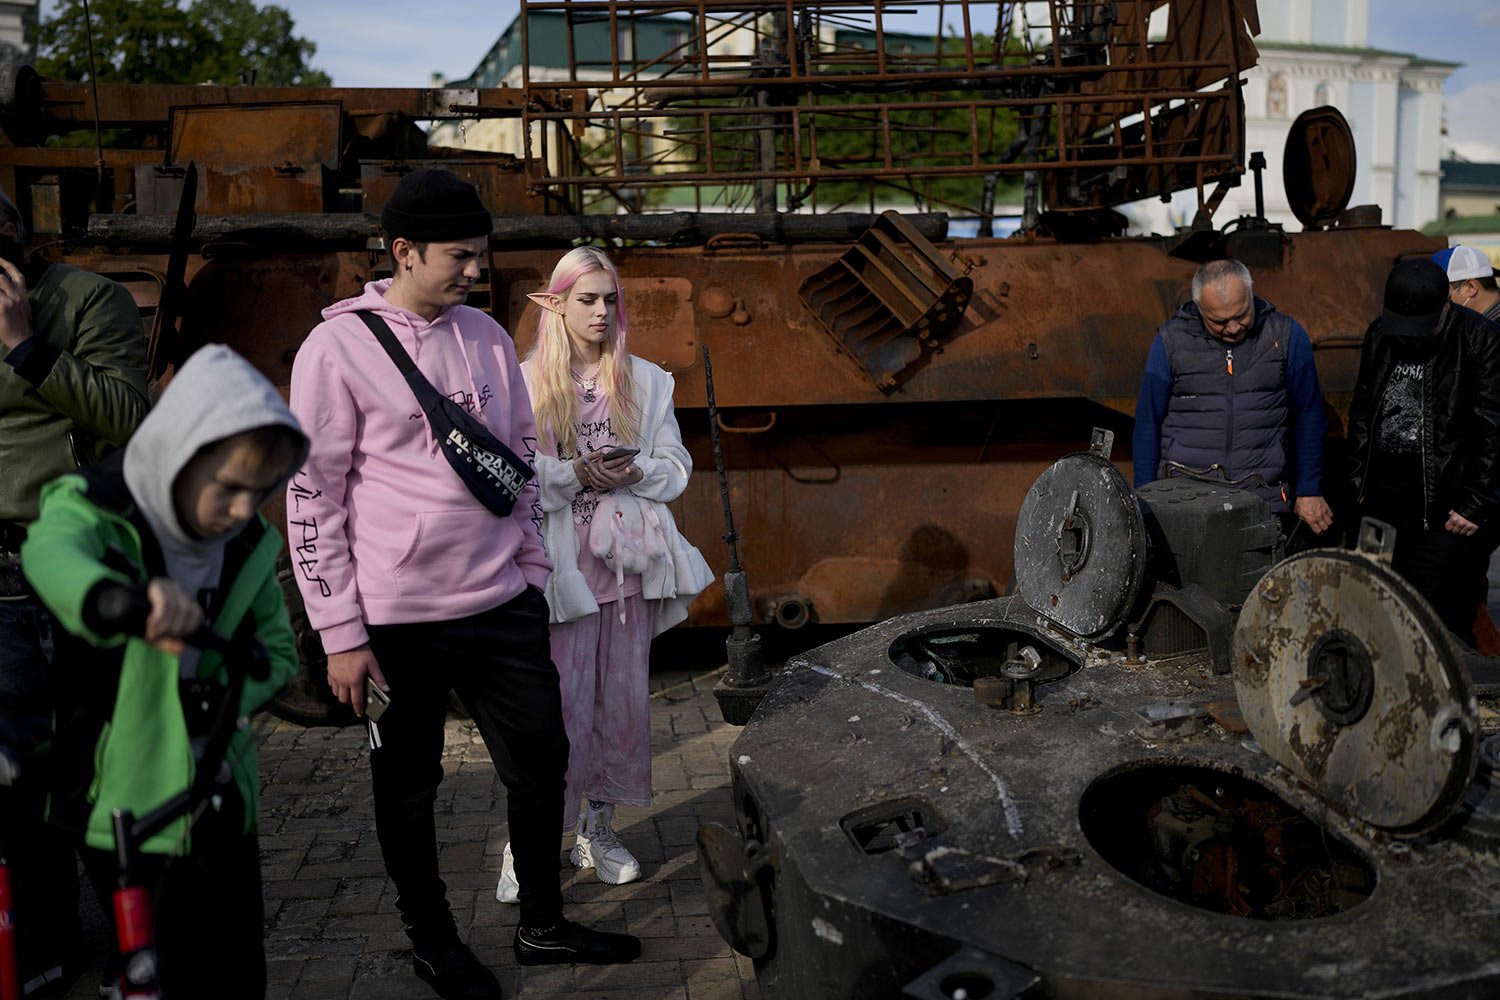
332	928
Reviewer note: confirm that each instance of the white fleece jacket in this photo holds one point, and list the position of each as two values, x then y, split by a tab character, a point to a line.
671	583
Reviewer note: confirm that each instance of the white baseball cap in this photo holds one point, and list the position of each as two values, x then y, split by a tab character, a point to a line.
1463	263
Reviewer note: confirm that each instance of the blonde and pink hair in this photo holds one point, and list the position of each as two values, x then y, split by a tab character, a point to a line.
554	401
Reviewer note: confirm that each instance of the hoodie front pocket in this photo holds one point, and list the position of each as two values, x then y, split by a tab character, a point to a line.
453	551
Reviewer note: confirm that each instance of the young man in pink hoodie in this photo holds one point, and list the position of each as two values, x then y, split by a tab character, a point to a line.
416	585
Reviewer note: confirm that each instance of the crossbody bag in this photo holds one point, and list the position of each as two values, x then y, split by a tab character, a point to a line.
492	472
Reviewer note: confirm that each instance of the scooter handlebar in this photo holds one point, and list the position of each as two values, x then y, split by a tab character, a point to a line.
123	610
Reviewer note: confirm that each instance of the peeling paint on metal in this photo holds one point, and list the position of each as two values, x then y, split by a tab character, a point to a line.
827	931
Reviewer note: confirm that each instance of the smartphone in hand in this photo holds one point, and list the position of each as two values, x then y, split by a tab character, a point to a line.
376	700
620	451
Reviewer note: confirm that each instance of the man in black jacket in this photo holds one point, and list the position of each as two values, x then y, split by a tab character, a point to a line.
1424	439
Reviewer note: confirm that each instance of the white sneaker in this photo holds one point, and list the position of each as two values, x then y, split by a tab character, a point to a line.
599	848
509	890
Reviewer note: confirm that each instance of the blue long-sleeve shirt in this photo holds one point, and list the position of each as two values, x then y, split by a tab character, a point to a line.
1309	424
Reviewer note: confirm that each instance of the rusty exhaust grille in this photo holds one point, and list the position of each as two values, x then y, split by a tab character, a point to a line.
886	298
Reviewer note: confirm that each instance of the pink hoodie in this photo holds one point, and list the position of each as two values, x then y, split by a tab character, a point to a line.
381	528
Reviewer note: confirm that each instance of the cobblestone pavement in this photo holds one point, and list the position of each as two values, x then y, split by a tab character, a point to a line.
331	924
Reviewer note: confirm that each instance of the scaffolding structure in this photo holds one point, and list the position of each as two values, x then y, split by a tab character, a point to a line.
775	105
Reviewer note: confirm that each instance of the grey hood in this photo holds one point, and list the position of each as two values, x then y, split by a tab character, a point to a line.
215	395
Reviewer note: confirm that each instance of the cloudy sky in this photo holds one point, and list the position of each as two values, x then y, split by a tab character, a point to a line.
401	43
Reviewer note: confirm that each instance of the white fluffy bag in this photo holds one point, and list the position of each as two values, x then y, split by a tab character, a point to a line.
627	536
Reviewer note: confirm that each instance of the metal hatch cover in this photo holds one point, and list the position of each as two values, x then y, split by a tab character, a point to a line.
1347	677
1318	166
1080	550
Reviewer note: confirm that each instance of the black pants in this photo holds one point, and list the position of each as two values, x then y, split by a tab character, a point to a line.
208	909
1448	570
500	664
44	876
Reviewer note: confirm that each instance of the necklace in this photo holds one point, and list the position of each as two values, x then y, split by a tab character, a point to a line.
588	385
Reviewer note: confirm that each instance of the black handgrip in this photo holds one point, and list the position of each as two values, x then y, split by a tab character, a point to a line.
120	609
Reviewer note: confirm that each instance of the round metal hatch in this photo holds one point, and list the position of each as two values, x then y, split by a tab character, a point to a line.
1346	676
1080	545
1318	166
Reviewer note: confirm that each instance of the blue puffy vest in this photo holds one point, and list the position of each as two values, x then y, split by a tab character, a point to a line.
1229	403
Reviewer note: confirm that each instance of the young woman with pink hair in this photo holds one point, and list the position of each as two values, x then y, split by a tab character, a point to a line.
609	459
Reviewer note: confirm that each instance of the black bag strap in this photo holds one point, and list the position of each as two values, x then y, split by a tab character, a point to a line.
382	331
492	472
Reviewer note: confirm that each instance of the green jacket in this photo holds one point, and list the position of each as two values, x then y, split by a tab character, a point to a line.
89	532
84	370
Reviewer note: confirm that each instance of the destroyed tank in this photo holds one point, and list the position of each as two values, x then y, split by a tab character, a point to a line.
1171	766
887	388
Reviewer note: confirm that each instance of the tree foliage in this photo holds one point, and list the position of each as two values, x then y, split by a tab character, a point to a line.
160	41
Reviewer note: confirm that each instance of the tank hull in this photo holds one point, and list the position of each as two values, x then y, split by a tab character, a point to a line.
1032	904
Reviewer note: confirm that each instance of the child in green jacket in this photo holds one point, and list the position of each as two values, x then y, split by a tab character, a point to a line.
177	513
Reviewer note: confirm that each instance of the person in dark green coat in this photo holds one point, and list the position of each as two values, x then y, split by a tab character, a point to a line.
72	386
176	513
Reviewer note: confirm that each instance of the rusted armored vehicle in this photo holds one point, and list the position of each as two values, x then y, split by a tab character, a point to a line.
1171	766
887	389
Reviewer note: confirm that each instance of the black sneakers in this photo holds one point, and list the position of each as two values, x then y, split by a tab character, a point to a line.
450	968
566	943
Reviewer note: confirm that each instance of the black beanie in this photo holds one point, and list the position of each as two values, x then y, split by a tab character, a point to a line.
434	206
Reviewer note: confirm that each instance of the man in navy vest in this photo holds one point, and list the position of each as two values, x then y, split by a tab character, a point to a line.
1230	383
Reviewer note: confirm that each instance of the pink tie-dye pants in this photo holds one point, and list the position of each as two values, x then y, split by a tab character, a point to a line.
602	665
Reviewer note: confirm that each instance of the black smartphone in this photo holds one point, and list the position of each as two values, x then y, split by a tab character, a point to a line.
376	700
620	451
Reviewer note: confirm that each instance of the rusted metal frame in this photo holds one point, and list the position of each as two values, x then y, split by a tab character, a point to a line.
867	173
1148	127
619	132
858	115
937	36
568	24
708	147
796	138
854	113
885	133
1057	66
704	59
622	130
851	169
1125	101
790	38
614	45
701	19
640	67
729	84
812	142
974	135
968	40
